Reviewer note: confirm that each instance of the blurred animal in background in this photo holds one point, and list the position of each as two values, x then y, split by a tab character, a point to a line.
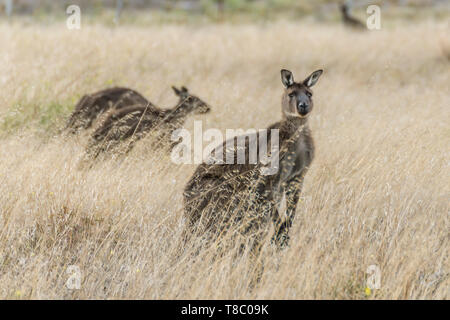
348	20
136	121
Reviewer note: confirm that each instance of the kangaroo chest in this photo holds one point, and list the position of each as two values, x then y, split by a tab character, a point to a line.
297	156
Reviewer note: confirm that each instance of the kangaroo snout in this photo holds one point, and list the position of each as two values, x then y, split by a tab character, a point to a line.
302	108
205	109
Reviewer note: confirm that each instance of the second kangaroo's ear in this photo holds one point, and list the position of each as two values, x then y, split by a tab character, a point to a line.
287	78
312	79
184	89
177	92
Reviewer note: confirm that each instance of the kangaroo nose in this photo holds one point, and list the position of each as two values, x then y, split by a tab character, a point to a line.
301	106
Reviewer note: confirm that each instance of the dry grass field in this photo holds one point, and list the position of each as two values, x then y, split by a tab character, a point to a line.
377	193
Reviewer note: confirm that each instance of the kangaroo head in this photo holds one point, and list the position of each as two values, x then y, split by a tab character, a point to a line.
189	102
297	96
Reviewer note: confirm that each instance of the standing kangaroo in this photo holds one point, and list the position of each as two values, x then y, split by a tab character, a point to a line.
134	122
219	197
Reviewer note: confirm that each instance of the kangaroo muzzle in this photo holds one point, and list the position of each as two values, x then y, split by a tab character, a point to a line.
302	108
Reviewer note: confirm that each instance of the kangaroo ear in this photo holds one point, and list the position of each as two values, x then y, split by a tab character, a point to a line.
312	79
287	78
177	92
184	89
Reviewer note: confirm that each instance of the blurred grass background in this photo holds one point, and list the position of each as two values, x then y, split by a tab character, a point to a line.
195	11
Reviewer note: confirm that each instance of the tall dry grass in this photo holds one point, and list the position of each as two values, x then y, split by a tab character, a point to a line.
377	192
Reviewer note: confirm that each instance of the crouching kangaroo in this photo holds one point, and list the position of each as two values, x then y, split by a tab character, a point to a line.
91	106
222	197
134	122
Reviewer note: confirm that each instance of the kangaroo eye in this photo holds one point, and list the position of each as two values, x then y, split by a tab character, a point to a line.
291	95
309	94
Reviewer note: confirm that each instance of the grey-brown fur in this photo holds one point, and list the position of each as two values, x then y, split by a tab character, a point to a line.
91	106
134	122
220	197
349	20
